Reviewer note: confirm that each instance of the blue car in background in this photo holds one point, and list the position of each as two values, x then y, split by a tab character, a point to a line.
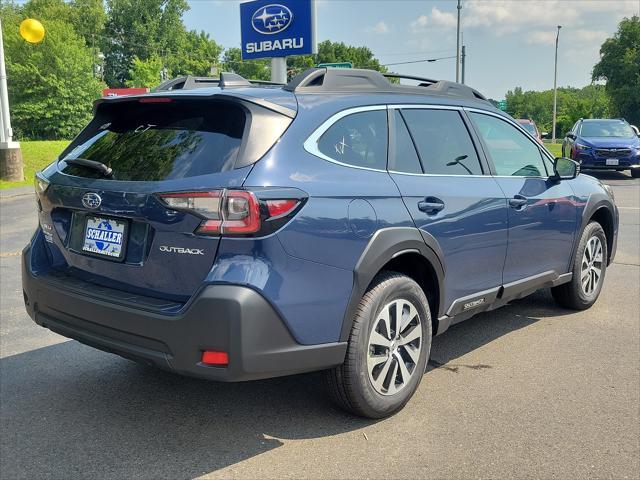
233	231
603	145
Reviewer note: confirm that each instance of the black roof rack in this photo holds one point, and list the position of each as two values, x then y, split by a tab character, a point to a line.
226	80
360	80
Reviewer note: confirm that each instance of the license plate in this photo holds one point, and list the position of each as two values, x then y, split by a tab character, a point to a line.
105	237
612	161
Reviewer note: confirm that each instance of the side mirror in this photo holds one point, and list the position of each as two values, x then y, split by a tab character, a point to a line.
544	134
565	169
570	135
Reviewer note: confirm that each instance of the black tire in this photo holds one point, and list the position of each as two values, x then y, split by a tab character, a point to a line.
635	172
349	384
572	295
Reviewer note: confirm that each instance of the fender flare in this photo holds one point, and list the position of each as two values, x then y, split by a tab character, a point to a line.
594	203
386	244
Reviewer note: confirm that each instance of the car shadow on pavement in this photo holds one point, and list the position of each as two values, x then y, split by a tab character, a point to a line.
70	411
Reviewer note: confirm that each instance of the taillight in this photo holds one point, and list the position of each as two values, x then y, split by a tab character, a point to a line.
231	212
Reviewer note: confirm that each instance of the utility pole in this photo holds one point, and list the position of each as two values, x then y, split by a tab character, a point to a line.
458	43
555	89
464	56
10	155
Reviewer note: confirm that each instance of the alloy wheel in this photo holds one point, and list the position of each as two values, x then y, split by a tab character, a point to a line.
395	343
591	266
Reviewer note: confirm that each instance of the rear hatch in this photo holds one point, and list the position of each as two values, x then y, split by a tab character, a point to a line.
102	210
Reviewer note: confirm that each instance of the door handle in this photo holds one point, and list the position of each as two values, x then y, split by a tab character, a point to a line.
430	205
518	202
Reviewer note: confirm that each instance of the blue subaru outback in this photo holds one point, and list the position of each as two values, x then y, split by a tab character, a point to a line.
236	231
603	144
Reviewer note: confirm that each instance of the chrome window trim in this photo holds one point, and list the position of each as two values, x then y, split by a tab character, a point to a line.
311	143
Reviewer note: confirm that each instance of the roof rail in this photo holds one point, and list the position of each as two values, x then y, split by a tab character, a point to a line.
226	80
360	80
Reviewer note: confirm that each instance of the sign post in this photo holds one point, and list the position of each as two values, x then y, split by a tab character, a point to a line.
277	29
10	154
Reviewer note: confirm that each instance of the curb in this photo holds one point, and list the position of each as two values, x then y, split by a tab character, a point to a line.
16	192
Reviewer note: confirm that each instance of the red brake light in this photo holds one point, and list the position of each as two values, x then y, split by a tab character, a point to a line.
277	208
227	212
212	357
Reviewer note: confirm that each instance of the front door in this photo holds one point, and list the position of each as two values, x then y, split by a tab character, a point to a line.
542	211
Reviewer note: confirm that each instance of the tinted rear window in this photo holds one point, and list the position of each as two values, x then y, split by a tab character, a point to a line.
162	141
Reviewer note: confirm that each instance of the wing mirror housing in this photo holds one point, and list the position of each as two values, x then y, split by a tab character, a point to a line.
571	136
565	169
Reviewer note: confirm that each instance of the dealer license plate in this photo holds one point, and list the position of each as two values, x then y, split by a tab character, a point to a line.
105	237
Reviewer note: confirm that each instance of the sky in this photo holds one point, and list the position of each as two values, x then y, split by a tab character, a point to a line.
509	43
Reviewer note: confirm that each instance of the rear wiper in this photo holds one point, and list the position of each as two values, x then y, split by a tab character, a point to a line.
99	166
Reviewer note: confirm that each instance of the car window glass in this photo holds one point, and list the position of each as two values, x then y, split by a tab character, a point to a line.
405	158
443	142
607	128
513	154
359	139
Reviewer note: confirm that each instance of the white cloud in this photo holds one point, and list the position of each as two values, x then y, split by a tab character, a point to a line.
504	16
542	37
419	24
443	19
380	28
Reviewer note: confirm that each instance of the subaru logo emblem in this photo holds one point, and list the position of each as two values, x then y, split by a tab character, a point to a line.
91	200
271	19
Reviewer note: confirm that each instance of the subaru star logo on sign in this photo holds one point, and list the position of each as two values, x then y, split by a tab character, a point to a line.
277	29
271	19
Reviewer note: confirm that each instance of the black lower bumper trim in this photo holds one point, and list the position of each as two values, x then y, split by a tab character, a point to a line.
230	318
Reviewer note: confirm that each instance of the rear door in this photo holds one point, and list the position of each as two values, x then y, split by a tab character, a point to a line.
542	211
438	170
111	226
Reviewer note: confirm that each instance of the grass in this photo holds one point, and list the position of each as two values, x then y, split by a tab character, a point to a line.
36	155
554	148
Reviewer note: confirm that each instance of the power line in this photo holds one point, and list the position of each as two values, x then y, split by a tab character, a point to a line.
419	61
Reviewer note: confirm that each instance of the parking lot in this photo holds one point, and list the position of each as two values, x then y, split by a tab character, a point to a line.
529	390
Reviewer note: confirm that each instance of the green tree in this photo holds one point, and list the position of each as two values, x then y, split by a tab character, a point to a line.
573	103
51	85
194	54
619	65
250	69
140	28
145	73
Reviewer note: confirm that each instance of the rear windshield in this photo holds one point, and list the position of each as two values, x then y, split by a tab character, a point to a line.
610	128
161	141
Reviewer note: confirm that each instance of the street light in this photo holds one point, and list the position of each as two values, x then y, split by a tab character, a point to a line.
555	89
458	44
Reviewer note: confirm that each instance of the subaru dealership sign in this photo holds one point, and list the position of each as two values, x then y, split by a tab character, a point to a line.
277	28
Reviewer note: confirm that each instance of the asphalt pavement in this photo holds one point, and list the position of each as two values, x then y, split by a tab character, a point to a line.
529	390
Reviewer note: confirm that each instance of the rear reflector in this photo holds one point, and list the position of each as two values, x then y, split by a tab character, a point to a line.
211	357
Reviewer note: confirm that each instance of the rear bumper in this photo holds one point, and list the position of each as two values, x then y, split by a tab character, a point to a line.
230	318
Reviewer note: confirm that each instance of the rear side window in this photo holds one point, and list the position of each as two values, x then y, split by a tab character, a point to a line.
402	154
359	139
443	142
174	139
512	153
